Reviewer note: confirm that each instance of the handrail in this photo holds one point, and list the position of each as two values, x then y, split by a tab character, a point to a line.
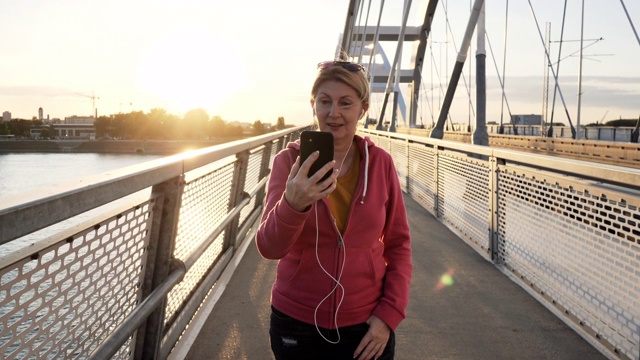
27	209
610	173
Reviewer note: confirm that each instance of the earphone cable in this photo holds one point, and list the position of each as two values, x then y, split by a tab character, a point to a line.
340	272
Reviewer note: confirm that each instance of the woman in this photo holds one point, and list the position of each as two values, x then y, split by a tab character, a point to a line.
343	244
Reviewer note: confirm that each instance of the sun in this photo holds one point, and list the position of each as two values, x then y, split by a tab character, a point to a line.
191	69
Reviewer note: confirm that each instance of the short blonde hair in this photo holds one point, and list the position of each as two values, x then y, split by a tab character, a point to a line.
356	79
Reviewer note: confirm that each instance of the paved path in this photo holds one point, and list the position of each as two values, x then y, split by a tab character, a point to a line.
482	315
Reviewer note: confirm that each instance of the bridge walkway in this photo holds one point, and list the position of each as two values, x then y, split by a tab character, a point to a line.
482	315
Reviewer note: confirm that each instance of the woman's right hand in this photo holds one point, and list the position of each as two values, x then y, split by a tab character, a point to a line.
302	190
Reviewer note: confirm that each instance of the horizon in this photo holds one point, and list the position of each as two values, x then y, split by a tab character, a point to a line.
135	57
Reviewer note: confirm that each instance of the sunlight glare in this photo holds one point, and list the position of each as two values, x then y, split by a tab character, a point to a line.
193	69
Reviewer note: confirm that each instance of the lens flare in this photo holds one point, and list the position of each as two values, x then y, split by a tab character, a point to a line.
445	280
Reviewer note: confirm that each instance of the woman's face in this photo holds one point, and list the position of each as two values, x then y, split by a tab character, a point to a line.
338	109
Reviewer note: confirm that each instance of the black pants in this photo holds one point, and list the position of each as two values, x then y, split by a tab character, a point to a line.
292	339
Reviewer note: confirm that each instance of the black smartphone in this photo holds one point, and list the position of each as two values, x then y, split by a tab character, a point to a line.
311	141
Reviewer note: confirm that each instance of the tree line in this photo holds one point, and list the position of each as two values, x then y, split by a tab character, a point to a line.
156	124
18	127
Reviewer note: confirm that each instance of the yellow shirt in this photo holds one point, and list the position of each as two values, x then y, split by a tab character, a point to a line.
340	198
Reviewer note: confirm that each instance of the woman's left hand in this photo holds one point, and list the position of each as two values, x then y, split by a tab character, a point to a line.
374	341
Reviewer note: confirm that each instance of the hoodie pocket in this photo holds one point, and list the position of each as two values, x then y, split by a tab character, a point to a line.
296	269
360	266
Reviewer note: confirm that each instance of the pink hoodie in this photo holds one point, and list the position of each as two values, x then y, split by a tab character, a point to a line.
375	258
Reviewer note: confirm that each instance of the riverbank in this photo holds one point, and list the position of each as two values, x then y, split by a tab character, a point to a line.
155	147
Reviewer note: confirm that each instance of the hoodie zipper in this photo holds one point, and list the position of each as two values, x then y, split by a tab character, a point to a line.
336	274
339	250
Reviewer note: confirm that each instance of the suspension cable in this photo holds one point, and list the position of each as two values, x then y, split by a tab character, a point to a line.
424	93
352	44
441	90
595	41
364	33
504	94
555	88
464	80
555	76
630	22
375	44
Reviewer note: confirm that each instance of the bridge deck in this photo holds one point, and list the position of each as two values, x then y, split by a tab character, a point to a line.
482	315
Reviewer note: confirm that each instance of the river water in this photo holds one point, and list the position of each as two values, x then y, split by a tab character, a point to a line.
24	172
29	171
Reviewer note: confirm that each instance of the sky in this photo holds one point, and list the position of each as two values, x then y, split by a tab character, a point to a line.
255	60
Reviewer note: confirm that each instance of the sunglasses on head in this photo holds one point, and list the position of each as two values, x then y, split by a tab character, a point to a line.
353	67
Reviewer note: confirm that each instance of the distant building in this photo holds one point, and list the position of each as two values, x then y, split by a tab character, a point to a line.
531	119
79	120
40	114
65	131
73	131
6	116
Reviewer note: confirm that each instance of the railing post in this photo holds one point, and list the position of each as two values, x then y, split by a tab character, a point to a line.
161	245
282	143
494	251
264	171
408	168
237	194
436	170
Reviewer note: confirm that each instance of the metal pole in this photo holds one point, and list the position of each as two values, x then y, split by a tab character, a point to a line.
393	73
373	54
348	26
394	113
557	86
437	131
480	135
164	233
579	131
419	63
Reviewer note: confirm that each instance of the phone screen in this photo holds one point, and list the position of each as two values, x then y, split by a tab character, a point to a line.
311	141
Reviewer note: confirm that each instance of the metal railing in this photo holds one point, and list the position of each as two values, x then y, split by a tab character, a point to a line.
567	231
125	283
144	246
609	152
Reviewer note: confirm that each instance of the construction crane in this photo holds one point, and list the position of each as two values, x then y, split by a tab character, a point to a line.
93	98
602	119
